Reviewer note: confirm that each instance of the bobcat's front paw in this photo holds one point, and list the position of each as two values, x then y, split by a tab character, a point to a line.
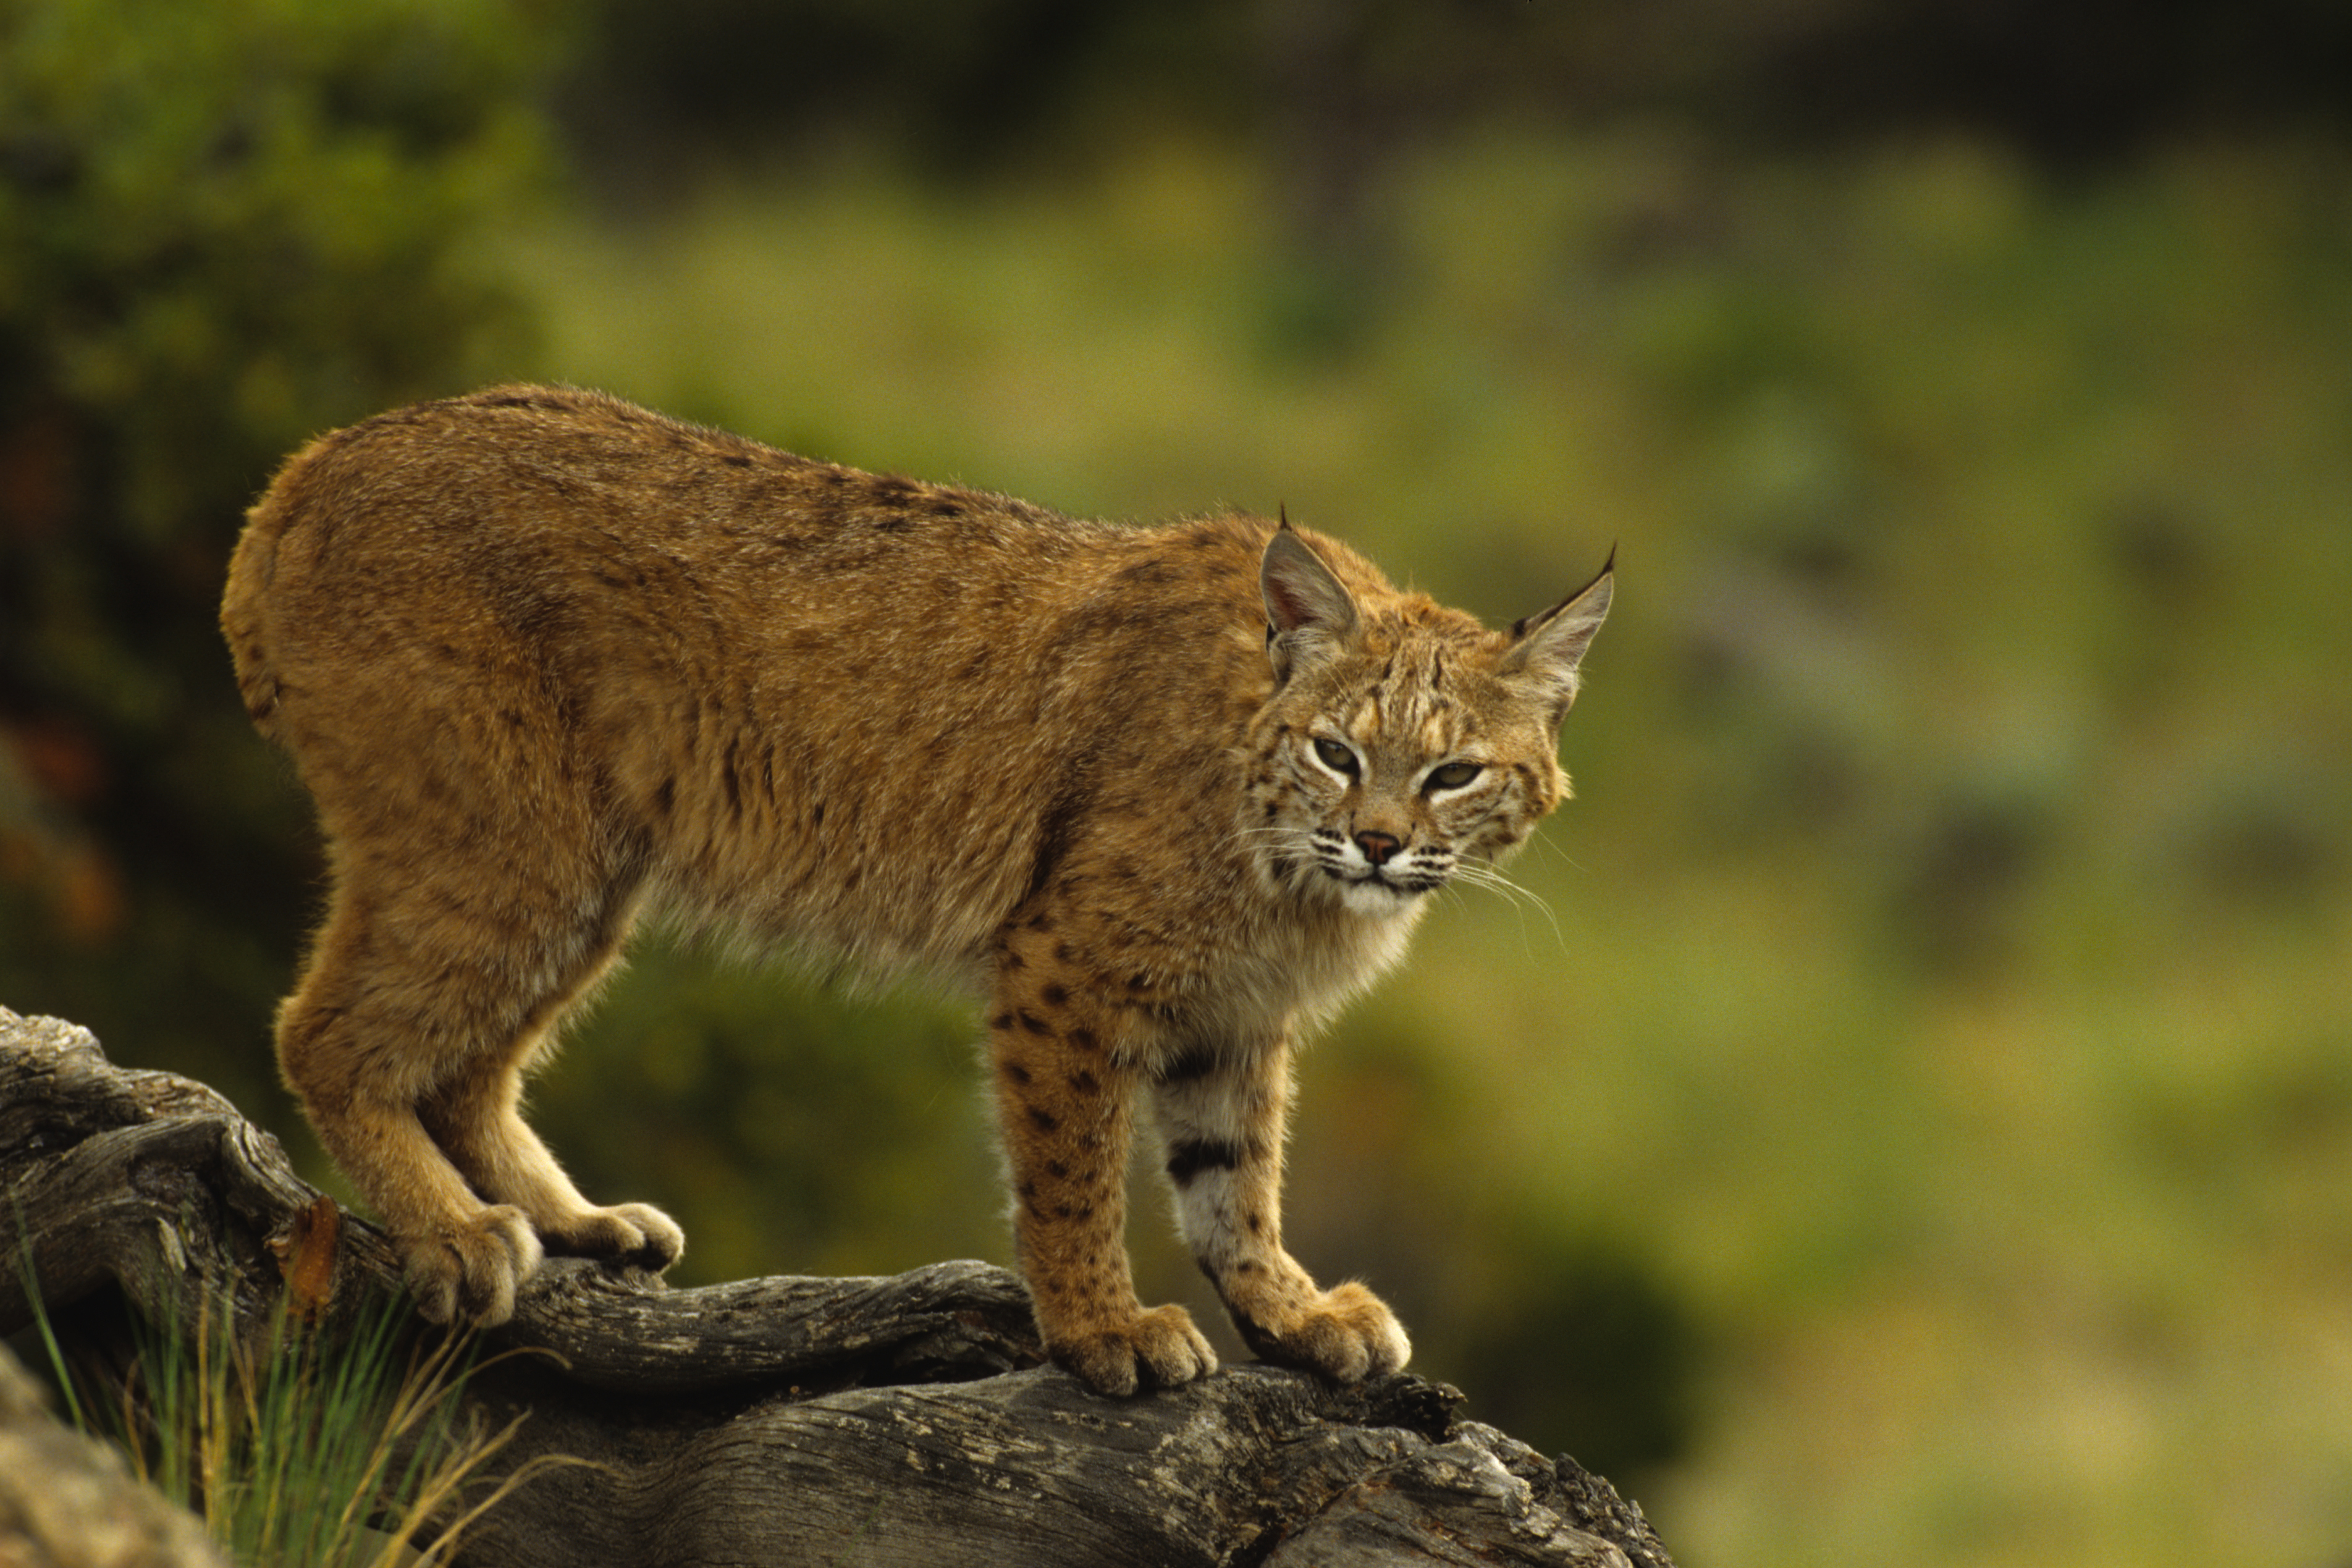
1158	1349
635	1236
470	1272
1345	1333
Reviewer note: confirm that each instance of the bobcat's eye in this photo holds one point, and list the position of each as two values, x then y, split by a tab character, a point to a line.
1335	757
1452	776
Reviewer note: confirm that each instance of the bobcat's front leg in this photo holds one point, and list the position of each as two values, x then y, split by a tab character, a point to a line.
1223	1116
1064	1100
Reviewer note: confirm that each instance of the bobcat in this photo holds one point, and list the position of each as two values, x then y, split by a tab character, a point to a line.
548	662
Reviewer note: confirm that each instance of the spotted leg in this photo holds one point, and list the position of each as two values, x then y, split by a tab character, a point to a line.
1064	1103
1223	1114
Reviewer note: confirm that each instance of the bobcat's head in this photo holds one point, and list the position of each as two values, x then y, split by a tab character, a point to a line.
1402	739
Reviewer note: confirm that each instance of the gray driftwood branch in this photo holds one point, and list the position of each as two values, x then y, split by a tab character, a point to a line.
903	1421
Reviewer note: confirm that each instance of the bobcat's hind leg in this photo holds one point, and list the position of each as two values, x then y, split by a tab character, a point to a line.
406	1041
361	1048
1223	1115
476	1120
475	1115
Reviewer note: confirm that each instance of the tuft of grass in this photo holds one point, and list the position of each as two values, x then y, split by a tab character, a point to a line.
306	1450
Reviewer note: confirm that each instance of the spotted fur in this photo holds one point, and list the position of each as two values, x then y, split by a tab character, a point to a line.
547	661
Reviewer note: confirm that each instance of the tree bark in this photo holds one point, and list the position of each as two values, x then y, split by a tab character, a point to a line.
903	1421
66	1501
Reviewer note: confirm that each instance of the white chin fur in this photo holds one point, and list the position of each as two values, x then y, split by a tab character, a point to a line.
1373	897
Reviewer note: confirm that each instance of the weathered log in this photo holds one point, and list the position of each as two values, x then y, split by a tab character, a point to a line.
68	1501
902	1420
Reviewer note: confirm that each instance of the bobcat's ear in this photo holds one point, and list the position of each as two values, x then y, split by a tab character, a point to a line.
1549	649
1308	610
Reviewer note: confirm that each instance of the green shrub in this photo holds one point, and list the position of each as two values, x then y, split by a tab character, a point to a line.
223	228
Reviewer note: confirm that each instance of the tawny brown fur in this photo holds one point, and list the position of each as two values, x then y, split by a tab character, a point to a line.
1166	795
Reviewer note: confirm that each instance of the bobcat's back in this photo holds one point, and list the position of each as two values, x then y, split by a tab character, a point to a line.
863	711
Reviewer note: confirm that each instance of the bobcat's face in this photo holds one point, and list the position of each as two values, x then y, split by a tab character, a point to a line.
1398	764
1401	744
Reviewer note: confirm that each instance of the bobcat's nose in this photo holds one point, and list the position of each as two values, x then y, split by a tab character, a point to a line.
1377	847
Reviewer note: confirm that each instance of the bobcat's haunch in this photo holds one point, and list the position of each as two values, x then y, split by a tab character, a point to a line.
1166	795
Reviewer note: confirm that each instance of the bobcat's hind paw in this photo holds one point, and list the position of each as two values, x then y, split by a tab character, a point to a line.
469	1273
633	1236
1158	1349
1345	1333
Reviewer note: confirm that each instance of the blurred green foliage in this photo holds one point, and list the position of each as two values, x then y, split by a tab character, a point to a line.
963	86
223	229
1910	1120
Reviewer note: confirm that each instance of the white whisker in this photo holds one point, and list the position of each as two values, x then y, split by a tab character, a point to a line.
1544	845
1482	874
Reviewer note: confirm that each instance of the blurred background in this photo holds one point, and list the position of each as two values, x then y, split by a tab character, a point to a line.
1910	1119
